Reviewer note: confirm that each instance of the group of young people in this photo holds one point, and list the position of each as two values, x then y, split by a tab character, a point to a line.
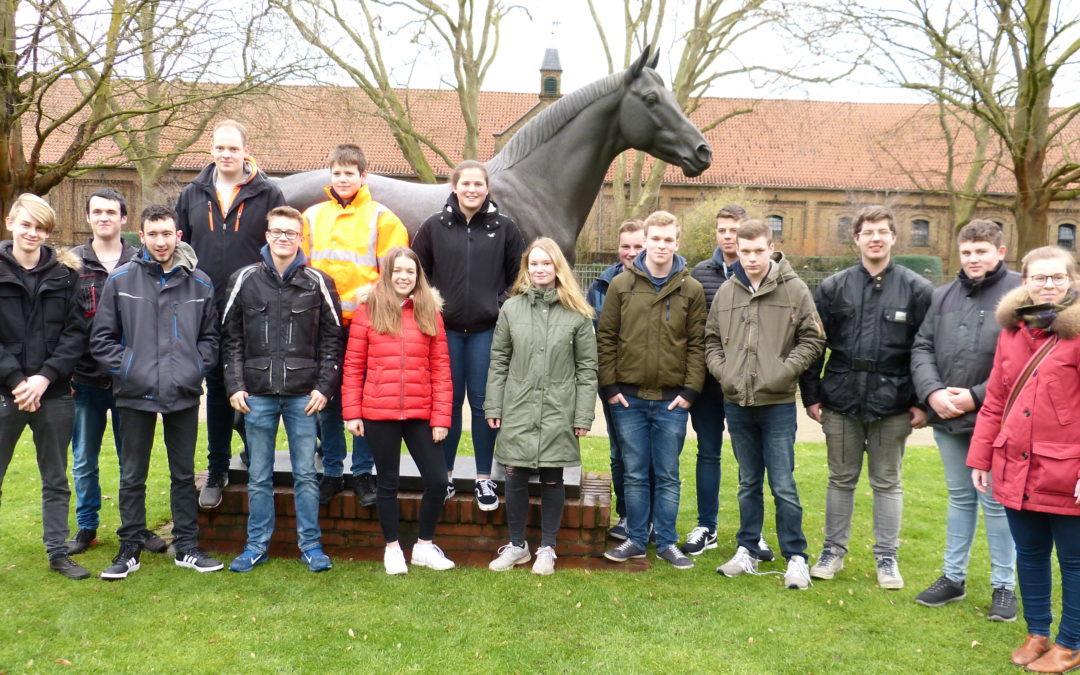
328	321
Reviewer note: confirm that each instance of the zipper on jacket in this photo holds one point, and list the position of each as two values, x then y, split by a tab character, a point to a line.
401	406
210	214
239	213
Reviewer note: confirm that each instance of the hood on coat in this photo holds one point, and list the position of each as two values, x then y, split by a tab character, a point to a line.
63	256
1066	325
268	259
184	256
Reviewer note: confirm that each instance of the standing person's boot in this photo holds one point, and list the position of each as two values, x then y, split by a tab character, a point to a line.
82	540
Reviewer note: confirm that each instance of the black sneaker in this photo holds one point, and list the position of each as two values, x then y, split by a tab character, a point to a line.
941	592
125	562
764	553
82	540
68	567
1002	605
210	497
625	551
621	529
330	486
486	498
364	487
450	490
699	540
154	543
196	559
673	555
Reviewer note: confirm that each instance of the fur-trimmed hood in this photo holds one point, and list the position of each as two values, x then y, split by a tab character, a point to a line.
63	256
1066	325
363	292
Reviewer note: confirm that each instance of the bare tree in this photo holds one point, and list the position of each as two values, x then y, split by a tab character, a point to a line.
1000	61
467	29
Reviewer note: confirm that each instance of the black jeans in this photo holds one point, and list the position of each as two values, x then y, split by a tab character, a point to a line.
221	420
137	439
552	500
384	438
51	425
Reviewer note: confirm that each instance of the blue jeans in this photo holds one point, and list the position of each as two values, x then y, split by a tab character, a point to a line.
763	438
332	433
1036	534
470	354
651	436
262	425
963	517
707	416
92	406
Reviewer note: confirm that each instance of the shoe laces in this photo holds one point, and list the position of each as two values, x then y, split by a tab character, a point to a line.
744	560
1001	596
510	548
487	487
127	551
797	564
941	583
674	552
626	545
887	565
697	535
546	550
438	552
827	557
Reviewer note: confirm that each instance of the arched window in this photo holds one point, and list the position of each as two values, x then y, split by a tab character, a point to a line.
776	224
843	228
551	85
920	232
1066	238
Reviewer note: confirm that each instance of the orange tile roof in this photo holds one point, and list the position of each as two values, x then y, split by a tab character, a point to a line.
781	143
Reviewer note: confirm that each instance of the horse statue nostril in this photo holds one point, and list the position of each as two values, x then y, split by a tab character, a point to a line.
704	153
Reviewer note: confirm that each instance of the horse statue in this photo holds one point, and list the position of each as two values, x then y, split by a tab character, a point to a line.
549	173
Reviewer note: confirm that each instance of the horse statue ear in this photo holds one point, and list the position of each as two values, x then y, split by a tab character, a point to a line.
638	64
654	60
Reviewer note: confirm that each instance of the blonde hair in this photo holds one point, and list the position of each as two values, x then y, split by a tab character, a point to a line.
566	284
383	306
662	219
36	209
1051	253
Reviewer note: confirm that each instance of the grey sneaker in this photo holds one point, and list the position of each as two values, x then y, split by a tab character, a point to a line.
1002	605
545	561
677	558
888	573
828	564
797	575
741	563
625	551
510	556
620	530
210	497
941	592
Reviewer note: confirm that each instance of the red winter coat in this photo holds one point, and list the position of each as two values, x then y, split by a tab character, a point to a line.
404	377
1034	458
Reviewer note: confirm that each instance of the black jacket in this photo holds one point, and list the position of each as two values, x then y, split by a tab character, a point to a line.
41	332
712	274
472	264
157	333
282	336
870	324
226	241
91	283
956	342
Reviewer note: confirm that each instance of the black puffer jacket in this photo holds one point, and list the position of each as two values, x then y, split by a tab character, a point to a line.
41	333
157	333
870	324
956	342
91	283
281	335
473	264
224	241
712	274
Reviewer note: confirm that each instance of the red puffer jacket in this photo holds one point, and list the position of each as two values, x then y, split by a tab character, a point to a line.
402	377
1034	457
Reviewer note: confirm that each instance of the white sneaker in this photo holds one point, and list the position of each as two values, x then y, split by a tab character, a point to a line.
797	574
509	556
741	563
545	561
393	561
431	556
829	563
888	573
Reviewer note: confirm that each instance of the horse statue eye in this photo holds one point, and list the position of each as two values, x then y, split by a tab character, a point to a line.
651	98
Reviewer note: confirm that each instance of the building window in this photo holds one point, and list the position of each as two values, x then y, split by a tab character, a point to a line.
920	232
551	85
776	224
843	228
1067	237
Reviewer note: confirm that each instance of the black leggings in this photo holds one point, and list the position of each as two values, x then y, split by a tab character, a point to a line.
552	499
385	438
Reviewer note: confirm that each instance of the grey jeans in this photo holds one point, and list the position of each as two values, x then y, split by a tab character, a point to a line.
882	442
51	426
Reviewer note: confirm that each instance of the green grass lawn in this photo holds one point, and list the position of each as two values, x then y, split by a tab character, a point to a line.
281	618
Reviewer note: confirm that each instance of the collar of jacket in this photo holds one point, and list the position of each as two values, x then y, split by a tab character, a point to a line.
486	213
973	285
53	259
206	177
362	196
183	258
547	296
268	259
1066	325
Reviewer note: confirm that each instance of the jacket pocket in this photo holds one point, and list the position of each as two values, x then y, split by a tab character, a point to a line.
135	379
1054	467
257	375
897	327
1063	399
299	375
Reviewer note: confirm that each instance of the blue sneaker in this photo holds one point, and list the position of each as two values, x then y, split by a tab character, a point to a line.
315	559
246	561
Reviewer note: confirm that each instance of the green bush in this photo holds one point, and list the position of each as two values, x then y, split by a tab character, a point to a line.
698	239
927	265
821	263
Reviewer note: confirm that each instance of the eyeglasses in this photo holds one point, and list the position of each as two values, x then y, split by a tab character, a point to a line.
288	234
1041	279
870	234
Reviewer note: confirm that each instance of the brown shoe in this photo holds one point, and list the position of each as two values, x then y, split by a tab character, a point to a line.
1058	660
1034	647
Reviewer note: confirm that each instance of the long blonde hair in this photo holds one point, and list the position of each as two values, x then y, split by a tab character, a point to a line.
566	284
383	306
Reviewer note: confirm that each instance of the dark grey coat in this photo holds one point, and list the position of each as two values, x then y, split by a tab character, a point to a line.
955	344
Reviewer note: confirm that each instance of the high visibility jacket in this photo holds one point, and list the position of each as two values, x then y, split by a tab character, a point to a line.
346	242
